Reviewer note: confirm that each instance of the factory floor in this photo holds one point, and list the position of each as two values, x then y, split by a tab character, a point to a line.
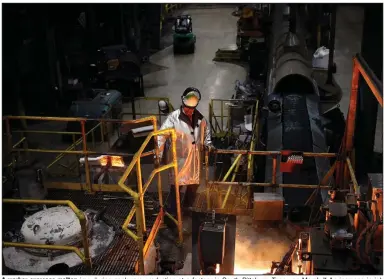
214	29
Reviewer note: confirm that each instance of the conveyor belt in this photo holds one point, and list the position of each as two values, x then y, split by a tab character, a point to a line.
297	136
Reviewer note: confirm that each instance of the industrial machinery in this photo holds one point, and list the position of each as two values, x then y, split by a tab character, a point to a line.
304	188
183	37
119	69
211	244
106	104
252	32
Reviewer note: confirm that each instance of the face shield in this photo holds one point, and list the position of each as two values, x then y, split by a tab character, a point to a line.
191	98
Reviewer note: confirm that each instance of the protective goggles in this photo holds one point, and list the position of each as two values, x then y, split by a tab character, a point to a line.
191	99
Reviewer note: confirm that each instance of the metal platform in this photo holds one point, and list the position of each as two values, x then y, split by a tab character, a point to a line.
122	255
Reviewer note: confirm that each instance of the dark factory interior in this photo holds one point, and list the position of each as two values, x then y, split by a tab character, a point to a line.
192	139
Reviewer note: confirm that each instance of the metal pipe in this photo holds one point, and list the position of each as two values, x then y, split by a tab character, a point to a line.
47	132
136	157
220	183
140	193
351	119
53	151
61	155
153	173
157	165
129	217
155	229
324	181
19	142
177	189
131	234
88	186
253	139
79	119
232	167
45	118
230	187
140	229
353	177
272	153
84	233
342	176
274	169
371	79
172	218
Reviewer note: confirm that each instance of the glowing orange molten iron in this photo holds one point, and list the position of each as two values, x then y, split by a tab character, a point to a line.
116	161
246	269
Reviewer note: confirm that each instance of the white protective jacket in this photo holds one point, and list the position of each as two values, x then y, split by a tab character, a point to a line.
191	137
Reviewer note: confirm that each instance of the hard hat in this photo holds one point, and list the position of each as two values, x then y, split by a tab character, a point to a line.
191	97
163	106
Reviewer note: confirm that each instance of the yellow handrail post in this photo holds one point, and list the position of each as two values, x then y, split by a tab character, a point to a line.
157	164
84	231
177	192
141	195
140	240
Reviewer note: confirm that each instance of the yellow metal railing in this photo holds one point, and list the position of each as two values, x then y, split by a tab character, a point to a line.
222	129
139	195
84	256
220	116
147	106
169	8
138	207
81	143
354	187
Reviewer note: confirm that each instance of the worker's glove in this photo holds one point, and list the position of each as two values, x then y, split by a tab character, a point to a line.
211	148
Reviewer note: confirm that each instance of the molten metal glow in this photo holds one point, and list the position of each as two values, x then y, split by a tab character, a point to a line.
116	161
250	271
244	267
217	269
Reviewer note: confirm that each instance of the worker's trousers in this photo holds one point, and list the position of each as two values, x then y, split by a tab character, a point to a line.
186	200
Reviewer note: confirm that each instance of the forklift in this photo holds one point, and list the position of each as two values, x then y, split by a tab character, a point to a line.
183	37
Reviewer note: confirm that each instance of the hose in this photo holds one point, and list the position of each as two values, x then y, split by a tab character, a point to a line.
368	241
366	260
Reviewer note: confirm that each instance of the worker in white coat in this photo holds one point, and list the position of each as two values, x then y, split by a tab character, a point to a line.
193	135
